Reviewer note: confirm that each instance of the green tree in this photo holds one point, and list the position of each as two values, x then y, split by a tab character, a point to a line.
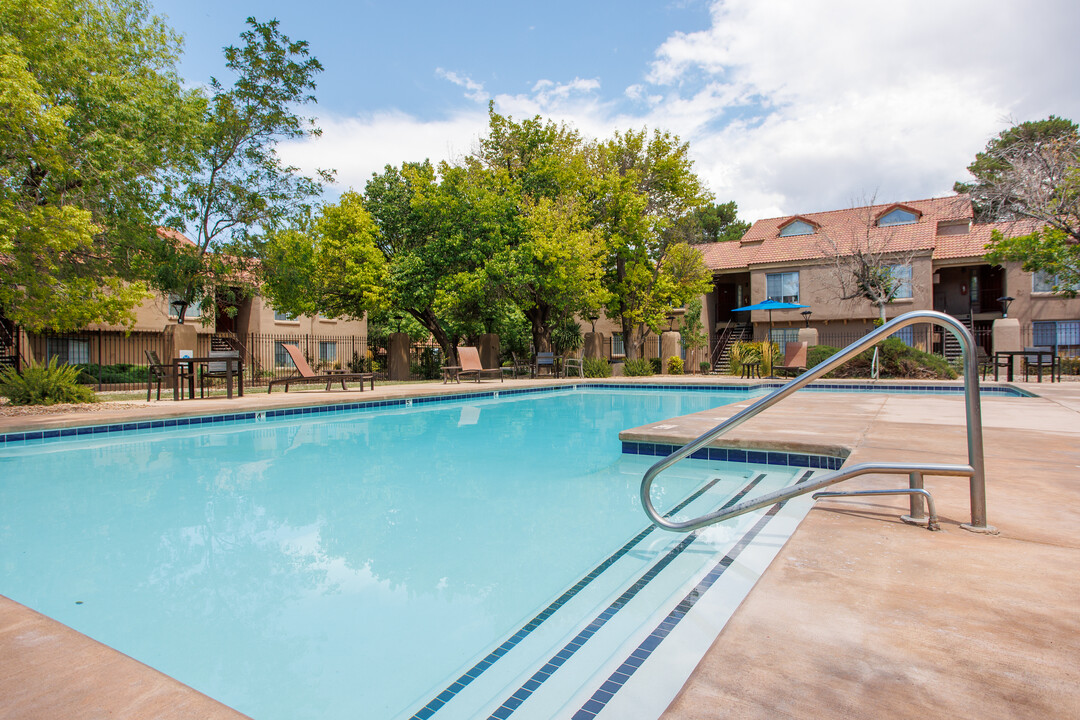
646	185
94	124
237	183
549	262
718	222
1032	171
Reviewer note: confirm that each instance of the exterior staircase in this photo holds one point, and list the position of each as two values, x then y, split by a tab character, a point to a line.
722	352
9	344
951	346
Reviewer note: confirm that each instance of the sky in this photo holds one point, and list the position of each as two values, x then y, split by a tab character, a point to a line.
789	106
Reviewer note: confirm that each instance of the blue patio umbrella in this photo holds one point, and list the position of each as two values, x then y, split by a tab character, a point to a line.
771	305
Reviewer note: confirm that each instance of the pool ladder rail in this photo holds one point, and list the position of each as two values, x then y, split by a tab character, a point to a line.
974	470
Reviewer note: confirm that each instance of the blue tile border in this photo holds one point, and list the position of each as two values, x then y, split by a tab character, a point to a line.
254	416
740	455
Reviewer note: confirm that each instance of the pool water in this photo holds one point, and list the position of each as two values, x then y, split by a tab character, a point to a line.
358	564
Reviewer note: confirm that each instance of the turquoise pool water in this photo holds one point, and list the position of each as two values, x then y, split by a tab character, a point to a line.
350	565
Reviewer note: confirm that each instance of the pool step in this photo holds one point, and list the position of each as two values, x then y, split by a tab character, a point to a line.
573	641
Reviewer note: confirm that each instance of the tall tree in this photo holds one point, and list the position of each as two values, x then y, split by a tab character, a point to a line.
93	125
646	186
717	222
550	261
238	183
1032	171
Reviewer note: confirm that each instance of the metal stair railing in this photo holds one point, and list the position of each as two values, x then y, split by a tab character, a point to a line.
974	470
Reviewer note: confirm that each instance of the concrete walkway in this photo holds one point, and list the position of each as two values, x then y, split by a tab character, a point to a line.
858	616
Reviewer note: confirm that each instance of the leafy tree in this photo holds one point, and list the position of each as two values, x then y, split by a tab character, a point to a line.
237	183
646	185
1032	171
692	330
94	123
717	222
549	263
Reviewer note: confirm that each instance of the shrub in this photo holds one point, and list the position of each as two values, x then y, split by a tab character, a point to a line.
657	366
674	365
44	385
597	368
1070	365
638	367
120	373
896	358
704	367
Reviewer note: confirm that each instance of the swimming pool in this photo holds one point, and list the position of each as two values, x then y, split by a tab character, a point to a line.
472	557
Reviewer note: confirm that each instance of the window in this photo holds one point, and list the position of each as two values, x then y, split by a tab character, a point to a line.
902	275
782	336
1056	333
782	287
618	349
281	355
327	351
797	227
67	351
897	216
906	335
194	310
1044	282
284	317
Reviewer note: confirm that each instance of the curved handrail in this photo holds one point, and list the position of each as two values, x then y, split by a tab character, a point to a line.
975	468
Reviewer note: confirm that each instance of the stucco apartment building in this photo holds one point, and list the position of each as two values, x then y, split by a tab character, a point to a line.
934	249
251	321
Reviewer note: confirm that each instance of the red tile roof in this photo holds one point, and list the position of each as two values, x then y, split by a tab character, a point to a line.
762	243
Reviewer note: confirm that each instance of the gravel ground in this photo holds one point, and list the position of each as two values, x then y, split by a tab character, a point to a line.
8	410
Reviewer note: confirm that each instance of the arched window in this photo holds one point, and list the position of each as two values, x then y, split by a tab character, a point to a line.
897	216
797	227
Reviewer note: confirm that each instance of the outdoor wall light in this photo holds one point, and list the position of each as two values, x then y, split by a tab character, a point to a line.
1005	302
806	316
592	317
180	306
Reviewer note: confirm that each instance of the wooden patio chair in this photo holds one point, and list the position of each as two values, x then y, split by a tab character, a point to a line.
469	357
306	374
516	368
794	359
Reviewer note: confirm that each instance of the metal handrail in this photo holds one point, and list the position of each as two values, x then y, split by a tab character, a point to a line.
975	469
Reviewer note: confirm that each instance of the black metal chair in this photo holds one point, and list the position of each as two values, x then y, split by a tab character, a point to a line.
217	370
1036	360
157	371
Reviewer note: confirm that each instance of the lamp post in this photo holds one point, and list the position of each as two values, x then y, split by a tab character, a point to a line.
181	306
592	317
1005	302
398	318
806	316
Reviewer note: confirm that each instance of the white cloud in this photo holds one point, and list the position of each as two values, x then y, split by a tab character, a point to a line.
476	90
789	106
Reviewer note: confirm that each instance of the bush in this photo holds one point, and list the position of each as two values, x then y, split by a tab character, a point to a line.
1070	365
120	373
657	366
638	367
45	385
596	368
896	358
674	365
704	367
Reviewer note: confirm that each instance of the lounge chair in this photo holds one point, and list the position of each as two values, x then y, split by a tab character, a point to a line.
469	357
545	362
794	359
306	374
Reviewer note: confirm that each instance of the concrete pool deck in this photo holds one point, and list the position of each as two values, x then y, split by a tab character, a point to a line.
858	616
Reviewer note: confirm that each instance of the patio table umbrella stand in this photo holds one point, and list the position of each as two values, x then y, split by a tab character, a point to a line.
770	305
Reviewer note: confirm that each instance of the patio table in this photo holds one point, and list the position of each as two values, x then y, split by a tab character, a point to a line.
230	370
1011	354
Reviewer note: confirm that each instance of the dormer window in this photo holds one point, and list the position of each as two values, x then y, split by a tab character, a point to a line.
898	216
797	227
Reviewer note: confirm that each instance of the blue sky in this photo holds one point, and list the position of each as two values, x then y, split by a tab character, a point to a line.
789	105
